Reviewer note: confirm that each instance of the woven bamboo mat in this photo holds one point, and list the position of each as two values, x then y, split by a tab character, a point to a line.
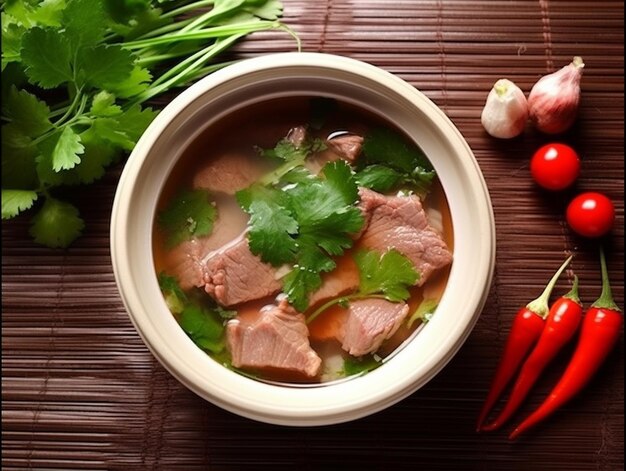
81	391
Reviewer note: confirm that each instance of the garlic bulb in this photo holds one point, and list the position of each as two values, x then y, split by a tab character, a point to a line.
506	110
554	99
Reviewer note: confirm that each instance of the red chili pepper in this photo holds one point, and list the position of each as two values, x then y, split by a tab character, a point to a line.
600	331
525	331
563	321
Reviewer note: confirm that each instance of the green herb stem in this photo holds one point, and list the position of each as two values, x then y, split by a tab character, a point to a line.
189	7
208	33
184	70
70	109
222	8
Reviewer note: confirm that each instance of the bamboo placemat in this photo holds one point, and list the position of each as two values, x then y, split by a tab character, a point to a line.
81	391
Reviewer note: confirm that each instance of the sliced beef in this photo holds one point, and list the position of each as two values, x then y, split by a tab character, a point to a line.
346	146
400	222
297	136
233	274
342	280
370	322
186	261
229	173
277	340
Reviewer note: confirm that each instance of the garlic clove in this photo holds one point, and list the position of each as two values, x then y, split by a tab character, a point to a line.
506	110
554	99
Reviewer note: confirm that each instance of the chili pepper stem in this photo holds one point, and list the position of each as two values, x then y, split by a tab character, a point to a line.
573	293
540	305
605	301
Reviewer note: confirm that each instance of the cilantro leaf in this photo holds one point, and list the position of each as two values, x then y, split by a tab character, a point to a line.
111	130
137	82
287	151
379	178
339	177
424	311
175	297
364	364
135	120
47	55
101	66
97	156
29	14
189	214
390	274
66	150
258	192
307	222
386	147
103	104
204	327
27	112
298	284
16	201
84	21
11	42
57	224
270	235
18	159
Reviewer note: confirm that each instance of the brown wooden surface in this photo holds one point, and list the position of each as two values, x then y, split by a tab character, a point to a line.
81	391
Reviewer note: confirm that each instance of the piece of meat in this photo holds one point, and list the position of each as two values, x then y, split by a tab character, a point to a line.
347	146
342	280
400	222
186	261
278	340
297	136
229	173
370	322
233	274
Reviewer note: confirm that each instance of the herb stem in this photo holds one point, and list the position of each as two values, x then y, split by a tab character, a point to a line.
70	109
182	71
207	33
185	8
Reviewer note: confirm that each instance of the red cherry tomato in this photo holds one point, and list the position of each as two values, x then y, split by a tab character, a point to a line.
555	166
591	214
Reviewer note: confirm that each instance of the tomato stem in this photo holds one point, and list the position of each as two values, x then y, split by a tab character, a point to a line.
540	305
605	301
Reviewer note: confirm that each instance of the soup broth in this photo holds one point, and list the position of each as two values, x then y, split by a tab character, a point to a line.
302	240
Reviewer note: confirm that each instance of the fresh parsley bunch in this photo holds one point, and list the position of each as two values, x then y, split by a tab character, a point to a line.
75	75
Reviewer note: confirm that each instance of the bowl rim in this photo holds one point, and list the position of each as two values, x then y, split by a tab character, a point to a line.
272	404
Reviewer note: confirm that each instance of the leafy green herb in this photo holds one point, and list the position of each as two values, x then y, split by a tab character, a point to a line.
304	224
16	201
364	364
189	214
379	178
390	163
52	215
389	274
292	156
203	323
204	326
175	297
386	276
424	311
103	61
271	231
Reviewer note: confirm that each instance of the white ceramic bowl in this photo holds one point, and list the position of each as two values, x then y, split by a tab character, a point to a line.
281	75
